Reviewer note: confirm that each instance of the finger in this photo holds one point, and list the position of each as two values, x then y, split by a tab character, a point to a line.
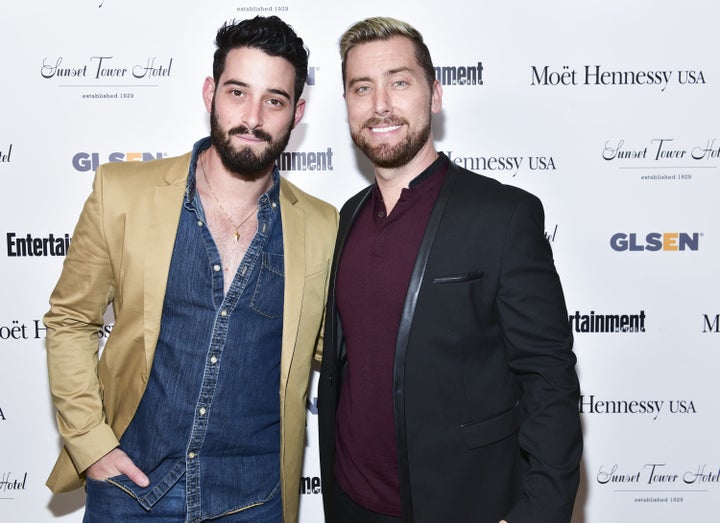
136	475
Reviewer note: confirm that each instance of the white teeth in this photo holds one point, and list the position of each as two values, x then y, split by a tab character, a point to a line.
384	129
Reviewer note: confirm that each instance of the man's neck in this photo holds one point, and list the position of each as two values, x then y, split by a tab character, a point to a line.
231	185
391	182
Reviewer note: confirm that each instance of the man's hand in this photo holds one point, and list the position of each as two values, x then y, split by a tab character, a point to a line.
114	463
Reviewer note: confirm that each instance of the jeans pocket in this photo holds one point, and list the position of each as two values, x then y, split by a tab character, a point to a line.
104	496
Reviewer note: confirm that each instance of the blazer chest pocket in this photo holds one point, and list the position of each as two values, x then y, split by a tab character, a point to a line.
488	431
459	278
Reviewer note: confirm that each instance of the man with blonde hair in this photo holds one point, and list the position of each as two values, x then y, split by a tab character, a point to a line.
448	392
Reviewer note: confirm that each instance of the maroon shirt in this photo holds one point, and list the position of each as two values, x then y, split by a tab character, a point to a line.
372	281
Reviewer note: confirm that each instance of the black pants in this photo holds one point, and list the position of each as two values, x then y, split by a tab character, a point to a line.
347	511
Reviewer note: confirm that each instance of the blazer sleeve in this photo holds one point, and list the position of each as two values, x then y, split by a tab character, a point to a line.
77	307
538	341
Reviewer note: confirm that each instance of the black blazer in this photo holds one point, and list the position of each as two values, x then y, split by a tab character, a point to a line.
485	392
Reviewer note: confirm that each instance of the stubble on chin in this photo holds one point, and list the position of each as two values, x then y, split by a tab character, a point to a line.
389	156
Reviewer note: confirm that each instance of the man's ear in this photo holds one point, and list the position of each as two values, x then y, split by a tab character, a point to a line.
436	97
208	92
299	111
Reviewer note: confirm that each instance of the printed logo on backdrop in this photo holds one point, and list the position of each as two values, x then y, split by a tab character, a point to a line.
263	10
14	330
35	330
551	234
106	77
657	482
601	76
319	161
660	482
310	485
11	484
85	162
656	241
462	75
21	245
6	154
711	324
504	165
592	405
298	161
607	323
664	159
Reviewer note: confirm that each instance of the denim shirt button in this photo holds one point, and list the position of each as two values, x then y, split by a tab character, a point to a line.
223	313
202	411
216	267
200	223
213	359
191	455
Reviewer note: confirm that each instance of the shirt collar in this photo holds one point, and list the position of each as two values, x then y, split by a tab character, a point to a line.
440	164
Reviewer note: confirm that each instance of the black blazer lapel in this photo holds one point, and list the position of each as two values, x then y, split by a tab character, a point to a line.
403	337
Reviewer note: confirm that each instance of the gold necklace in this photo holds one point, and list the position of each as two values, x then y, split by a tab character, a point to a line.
236	234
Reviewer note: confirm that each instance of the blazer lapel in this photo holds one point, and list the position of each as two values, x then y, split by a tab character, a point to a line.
293	228
403	336
159	243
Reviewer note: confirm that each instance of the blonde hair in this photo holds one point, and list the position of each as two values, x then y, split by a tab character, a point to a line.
384	28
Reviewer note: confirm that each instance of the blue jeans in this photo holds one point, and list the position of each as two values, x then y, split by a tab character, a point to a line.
106	503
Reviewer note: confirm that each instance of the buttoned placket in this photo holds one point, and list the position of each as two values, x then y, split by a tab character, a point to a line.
226	306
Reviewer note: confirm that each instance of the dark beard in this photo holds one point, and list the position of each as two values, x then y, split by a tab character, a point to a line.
244	162
396	156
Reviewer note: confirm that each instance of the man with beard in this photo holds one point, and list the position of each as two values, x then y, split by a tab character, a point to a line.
447	391
217	271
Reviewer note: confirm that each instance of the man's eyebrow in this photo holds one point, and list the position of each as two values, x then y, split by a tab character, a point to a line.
280	92
357	80
397	70
235	82
387	73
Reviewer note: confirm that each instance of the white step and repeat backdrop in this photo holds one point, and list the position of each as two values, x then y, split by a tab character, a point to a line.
608	111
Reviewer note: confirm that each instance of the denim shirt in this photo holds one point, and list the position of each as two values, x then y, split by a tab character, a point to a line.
211	409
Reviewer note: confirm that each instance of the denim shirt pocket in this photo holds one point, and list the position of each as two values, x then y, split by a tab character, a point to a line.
162	480
268	296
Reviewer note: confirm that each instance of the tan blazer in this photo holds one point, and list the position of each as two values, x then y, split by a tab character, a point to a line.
120	255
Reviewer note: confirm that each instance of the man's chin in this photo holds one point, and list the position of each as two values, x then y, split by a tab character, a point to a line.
247	166
384	156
